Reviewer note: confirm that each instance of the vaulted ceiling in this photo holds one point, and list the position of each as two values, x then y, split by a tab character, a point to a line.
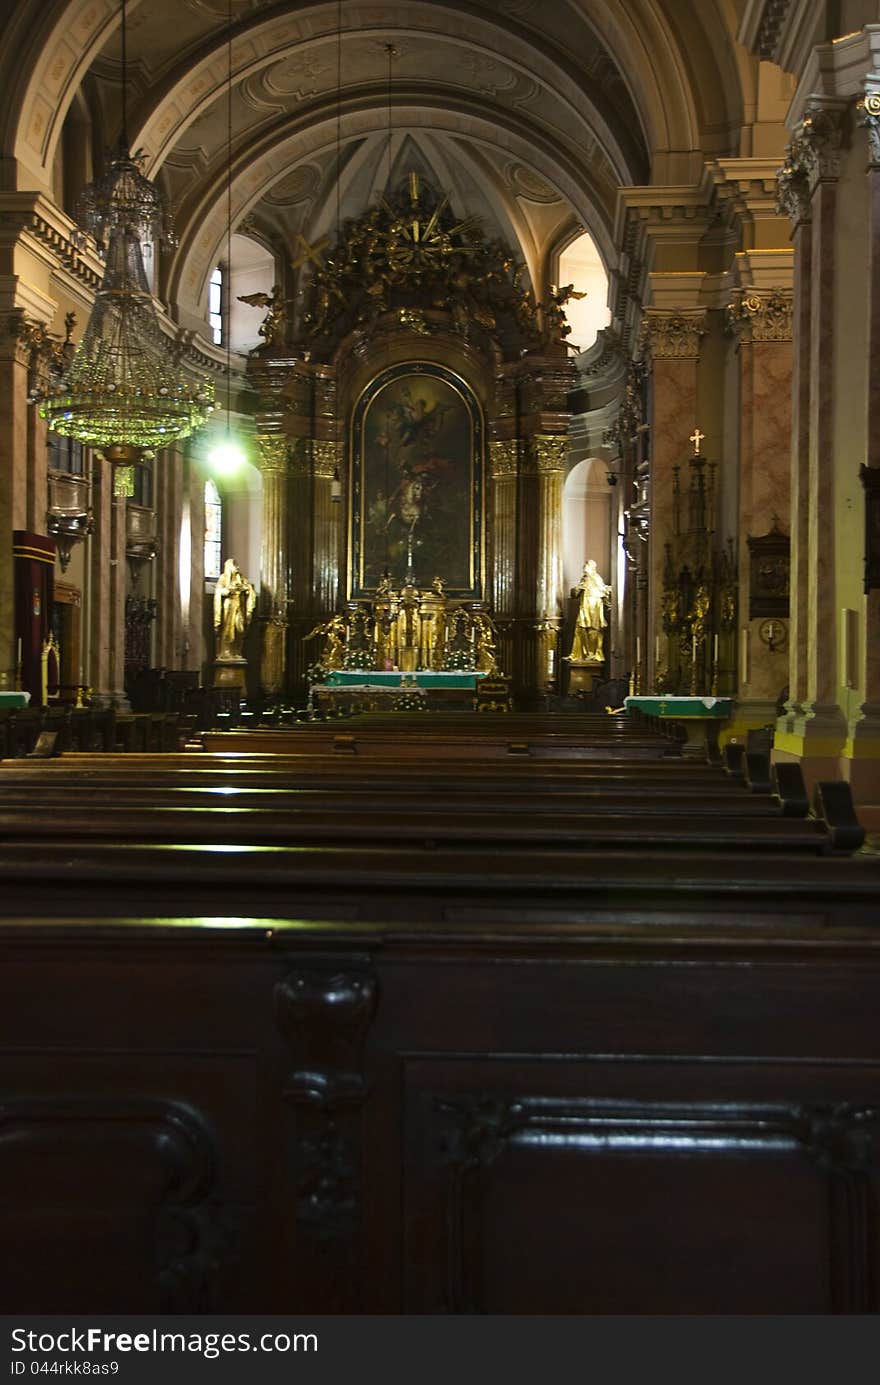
528	113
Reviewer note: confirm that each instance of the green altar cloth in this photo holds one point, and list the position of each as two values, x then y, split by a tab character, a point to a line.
659	706
14	699
700	718
370	678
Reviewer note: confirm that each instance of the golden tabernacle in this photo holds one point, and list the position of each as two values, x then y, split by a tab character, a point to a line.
407	630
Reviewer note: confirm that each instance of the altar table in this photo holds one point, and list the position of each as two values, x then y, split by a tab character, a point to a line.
700	717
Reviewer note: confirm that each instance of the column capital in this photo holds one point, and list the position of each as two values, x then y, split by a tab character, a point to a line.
503	458
273	450
548	452
812	156
672	335
761	315
326	457
868	116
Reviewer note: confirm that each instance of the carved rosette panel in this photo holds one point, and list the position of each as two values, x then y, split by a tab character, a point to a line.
673	336
757	315
473	1133
324	1010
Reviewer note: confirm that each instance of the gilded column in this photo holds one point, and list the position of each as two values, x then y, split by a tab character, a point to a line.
503	472
547	455
327	512
762	322
272	455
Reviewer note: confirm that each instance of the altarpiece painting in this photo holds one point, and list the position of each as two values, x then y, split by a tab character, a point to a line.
417	482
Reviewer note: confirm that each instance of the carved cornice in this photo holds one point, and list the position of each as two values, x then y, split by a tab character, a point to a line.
273	450
672	336
868	116
503	458
761	315
812	157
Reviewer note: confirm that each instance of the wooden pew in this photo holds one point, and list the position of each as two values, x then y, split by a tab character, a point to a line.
548	1063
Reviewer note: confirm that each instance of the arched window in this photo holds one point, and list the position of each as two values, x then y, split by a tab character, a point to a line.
215	305
213	530
581	264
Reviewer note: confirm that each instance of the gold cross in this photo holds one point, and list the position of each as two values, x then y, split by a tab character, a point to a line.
308	252
697	438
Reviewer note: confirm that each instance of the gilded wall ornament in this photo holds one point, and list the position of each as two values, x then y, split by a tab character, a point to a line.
410	254
548	451
503	458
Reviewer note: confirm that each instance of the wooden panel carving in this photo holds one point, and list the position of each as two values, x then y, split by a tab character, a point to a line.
117	1196
571	1205
324	1010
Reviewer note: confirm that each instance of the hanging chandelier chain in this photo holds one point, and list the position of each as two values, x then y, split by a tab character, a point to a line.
228	304
124	78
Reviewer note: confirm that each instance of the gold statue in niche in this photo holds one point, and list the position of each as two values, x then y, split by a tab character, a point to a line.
588	644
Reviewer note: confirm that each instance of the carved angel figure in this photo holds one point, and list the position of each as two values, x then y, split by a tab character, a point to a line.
272	326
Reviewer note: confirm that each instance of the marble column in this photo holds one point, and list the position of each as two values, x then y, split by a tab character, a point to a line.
672	348
14	358
273	455
808	179
762	321
862	751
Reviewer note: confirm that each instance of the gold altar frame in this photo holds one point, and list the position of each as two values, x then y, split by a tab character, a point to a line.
468	507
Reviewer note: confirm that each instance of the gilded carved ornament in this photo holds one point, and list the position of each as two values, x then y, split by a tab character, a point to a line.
503	458
672	336
548	452
273	452
326	457
761	315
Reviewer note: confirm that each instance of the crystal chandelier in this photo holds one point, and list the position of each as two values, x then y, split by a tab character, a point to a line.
123	390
